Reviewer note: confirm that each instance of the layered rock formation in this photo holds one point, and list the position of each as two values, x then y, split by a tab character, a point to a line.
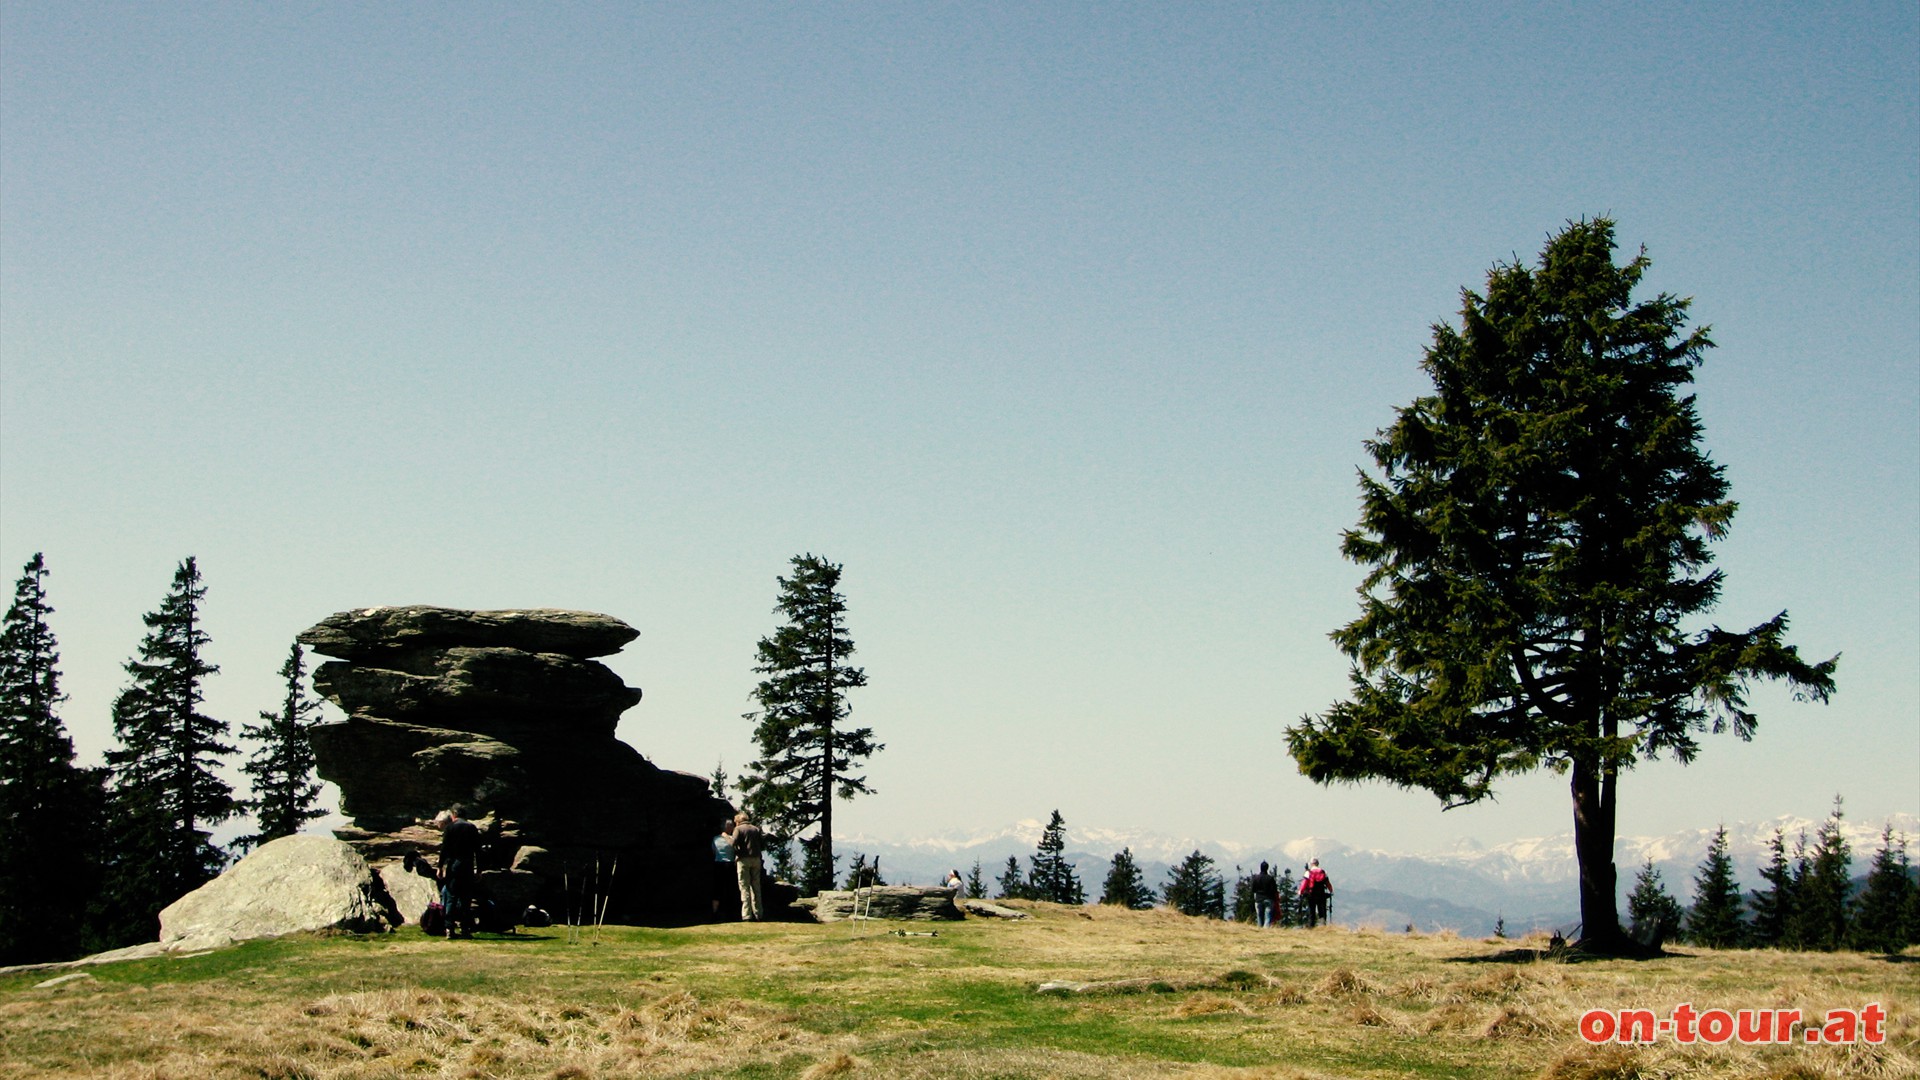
508	715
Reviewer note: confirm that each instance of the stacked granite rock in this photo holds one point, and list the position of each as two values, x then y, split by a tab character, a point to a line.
508	715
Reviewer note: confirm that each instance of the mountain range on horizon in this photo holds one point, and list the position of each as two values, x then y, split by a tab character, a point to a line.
1529	883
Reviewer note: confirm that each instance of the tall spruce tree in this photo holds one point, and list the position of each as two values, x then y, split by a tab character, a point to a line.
1773	906
976	885
808	756
165	794
1537	546
281	768
1822	884
1050	876
1655	915
1718	917
1885	911
49	807
1195	887
1012	883
1125	885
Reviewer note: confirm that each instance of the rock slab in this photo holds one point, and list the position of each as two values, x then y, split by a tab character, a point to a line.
910	903
284	886
375	632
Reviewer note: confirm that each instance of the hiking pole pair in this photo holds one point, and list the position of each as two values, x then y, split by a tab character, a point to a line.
596	904
873	877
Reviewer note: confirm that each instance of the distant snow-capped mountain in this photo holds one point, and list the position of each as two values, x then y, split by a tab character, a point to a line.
1528	883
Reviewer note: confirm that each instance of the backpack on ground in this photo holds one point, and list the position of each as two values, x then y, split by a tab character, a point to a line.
433	921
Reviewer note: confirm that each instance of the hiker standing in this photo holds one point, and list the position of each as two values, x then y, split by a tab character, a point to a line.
1266	896
459	849
747	845
1317	890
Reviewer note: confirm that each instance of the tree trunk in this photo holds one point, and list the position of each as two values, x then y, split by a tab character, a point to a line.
1593	835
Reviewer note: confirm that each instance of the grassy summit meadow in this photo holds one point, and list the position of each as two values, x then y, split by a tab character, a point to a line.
1150	994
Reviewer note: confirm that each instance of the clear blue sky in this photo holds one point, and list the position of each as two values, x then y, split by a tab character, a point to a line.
1060	326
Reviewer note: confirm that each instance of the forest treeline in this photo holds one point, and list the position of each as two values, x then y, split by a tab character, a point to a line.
89	856
1808	899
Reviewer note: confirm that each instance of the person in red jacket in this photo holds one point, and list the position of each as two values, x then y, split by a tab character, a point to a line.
1317	890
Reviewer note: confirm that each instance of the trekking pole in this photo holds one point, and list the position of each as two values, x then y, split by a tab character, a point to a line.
873	882
593	905
853	916
606	900
566	894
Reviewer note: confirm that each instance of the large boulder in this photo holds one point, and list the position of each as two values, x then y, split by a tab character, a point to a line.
291	884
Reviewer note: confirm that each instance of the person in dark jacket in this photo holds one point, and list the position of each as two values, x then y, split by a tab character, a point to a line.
1266	895
459	854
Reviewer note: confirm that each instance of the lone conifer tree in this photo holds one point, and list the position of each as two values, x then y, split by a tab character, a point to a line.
1718	919
808	756
1012	883
1195	888
1241	903
1884	914
1537	544
1287	913
1822	883
976	885
281	768
1052	877
49	807
1773	907
1655	914
1125	885
165	794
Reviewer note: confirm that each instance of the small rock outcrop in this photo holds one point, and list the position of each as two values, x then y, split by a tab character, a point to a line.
912	903
508	715
287	885
410	891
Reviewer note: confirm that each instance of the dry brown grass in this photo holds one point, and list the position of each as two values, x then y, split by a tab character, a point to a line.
1166	996
200	1033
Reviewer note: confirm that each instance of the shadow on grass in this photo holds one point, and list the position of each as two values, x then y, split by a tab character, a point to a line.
1568	955
511	937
